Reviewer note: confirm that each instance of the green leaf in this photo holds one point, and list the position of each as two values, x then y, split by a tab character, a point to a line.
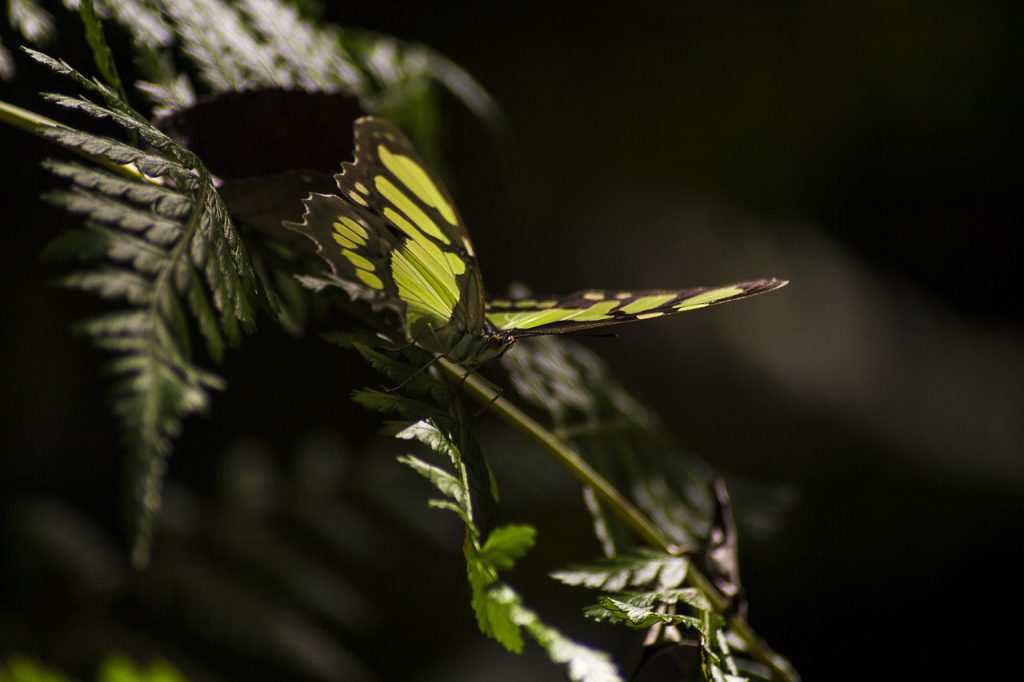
101	53
583	663
494	605
427	433
637	569
689	596
215	38
447	485
117	213
113	283
99	147
166	202
415	380
498	608
120	668
22	669
506	544
610	609
678	492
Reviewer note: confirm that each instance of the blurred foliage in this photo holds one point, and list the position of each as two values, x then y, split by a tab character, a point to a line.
254	572
114	668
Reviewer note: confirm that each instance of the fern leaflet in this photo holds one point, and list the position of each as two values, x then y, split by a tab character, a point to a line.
499	610
667	594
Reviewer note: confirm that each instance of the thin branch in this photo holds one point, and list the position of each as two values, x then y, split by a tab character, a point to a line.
565	455
620	506
33	123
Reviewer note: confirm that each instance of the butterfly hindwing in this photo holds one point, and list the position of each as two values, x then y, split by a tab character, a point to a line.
417	253
599	308
434	267
356	245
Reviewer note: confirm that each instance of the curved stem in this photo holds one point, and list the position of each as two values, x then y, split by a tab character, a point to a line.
565	455
620	506
34	123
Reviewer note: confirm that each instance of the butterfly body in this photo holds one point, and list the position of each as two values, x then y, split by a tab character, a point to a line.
394	231
471	347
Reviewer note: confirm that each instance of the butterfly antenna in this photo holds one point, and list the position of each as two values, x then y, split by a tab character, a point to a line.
506	349
603	335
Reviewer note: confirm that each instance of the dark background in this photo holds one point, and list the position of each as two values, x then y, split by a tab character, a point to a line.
868	153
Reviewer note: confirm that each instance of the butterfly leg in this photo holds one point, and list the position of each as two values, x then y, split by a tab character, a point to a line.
411	344
476	415
413	375
465	376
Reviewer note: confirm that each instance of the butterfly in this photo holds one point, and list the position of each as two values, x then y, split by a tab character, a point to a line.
394	232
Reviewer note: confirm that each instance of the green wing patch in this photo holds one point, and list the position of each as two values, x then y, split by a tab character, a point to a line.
353	244
599	308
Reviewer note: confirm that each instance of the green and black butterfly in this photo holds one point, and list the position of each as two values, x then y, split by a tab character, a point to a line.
393	230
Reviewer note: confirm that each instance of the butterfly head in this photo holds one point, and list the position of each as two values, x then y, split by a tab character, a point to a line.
490	344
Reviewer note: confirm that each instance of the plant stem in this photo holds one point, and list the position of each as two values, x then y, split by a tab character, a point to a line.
620	506
567	457
34	123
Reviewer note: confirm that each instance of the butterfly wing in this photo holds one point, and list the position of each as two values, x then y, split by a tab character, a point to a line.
600	308
415	250
356	244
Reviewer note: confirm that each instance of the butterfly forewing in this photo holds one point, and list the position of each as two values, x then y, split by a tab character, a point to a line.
600	307
436	260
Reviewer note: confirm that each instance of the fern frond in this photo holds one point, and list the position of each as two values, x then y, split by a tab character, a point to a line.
687	608
644	589
94	205
636	569
168	93
404	406
638	617
165	201
131	121
102	56
268	44
6	63
145	24
169	252
499	609
313	57
214	36
123	156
